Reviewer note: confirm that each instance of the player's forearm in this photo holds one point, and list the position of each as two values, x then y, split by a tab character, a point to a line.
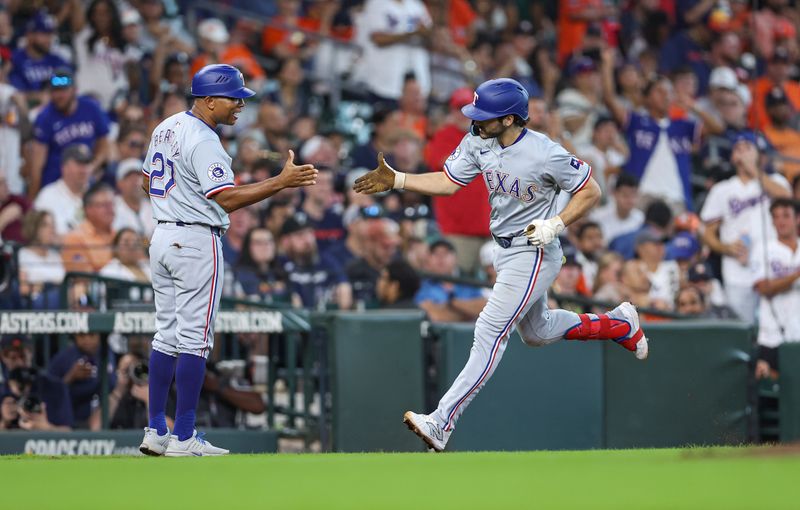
711	238
248	401
470	308
237	197
774	189
775	286
581	202
38	154
433	183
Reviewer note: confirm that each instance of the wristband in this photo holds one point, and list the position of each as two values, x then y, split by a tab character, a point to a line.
399	180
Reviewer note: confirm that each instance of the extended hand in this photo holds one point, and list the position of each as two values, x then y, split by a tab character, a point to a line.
378	180
295	176
542	232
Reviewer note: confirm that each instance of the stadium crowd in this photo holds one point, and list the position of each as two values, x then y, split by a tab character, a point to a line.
687	111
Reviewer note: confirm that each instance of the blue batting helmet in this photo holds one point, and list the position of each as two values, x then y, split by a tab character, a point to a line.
220	80
498	98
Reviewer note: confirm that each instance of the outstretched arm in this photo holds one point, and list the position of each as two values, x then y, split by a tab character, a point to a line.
385	178
292	176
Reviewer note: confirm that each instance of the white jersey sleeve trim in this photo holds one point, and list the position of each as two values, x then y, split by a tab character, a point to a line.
213	191
583	182
452	178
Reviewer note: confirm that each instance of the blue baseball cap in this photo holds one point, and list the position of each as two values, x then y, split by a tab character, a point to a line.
745	136
42	22
683	246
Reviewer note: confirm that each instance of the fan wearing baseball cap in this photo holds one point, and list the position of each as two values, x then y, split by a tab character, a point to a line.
781	134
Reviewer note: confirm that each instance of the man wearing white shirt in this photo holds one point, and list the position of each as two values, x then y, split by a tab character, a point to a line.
132	208
620	216
778	282
391	34
63	199
734	218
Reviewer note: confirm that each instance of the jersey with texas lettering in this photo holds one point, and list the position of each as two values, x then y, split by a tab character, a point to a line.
782	311
523	179
187	166
739	207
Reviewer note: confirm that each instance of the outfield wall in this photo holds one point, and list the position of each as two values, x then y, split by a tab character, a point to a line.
570	395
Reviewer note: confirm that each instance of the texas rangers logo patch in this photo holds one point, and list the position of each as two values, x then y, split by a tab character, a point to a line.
576	163
453	155
216	172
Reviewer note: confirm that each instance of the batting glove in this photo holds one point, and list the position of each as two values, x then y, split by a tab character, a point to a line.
542	232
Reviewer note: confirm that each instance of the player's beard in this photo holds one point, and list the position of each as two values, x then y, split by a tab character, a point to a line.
490	133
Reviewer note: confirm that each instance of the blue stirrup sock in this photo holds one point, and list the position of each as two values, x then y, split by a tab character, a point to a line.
161	371
189	376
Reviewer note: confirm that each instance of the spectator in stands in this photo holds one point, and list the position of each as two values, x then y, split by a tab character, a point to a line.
272	119
589	247
276	214
78	367
289	89
103	65
222	399
9	412
412	106
289	33
45	402
581	104
216	47
392	36
722	89
129	262
574	19
445	301
381	241
778	74
127	402
620	216
691	301
664	275
159	29
487	254
87	248
732	221
12	210
66	120
463	218
385	124
568	283
242	220
14	126
258	272
635	281
6	36
33	64
660	149
657	218
397	285
701	276
607	285
606	153
324	216
776	281
132	208
781	134
356	203
40	266
315	280
688	47
131	143
357	225
63	199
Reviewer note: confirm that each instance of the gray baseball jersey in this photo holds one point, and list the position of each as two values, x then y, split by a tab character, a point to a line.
523	179
187	165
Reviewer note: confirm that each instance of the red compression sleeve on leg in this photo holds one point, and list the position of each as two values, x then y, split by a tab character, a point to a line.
602	328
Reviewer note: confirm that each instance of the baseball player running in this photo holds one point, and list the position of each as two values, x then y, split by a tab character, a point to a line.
189	179
524	172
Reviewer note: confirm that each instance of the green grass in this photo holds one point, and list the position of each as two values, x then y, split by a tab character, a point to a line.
725	478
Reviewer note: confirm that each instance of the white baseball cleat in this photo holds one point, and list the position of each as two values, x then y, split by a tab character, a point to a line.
195	446
153	444
635	341
427	429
